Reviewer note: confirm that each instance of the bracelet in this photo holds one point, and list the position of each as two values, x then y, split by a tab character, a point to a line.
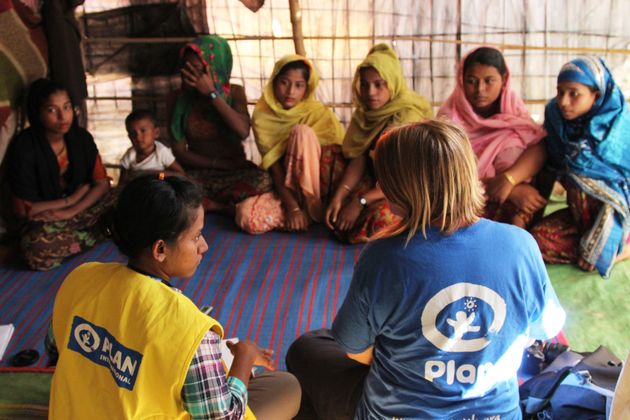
295	209
510	178
346	187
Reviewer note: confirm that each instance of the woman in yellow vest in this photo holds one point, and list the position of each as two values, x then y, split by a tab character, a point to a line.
358	210
132	346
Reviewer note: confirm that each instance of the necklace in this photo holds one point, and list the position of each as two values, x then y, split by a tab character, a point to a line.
63	149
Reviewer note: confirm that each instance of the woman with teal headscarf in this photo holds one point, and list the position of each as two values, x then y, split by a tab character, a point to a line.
209	120
588	126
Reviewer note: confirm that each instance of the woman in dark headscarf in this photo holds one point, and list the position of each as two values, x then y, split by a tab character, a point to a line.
57	178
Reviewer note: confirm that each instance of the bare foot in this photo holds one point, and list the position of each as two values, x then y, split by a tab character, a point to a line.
558	190
518	221
585	265
625	254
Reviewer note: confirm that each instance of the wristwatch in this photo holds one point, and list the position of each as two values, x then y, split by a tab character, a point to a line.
363	201
214	95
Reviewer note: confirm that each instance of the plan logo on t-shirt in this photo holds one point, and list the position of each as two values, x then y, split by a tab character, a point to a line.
464	319
450	322
98	345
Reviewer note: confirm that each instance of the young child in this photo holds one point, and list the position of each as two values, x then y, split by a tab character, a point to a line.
299	139
59	184
433	325
588	126
146	153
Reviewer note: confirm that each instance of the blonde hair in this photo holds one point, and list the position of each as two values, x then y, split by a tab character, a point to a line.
429	170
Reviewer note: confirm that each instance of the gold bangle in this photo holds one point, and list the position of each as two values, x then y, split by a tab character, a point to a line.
346	187
295	209
510	178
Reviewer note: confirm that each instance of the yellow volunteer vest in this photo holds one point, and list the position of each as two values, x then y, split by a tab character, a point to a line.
125	344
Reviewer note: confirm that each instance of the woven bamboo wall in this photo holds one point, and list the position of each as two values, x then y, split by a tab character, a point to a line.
430	36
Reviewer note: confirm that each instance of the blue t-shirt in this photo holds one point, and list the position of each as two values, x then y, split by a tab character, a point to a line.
448	317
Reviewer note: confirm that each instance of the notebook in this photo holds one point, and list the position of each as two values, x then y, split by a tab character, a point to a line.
226	354
6	331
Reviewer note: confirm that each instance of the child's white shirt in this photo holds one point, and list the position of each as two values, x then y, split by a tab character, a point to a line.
159	160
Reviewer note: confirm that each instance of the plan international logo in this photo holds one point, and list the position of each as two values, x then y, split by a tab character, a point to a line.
99	346
461	330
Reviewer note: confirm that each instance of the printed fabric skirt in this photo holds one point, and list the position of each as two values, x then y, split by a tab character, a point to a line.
229	187
559	234
312	171
257	215
375	219
45	245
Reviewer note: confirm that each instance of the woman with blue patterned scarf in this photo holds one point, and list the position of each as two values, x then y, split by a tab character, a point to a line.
588	128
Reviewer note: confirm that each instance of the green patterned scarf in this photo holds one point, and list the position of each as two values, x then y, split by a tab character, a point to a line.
215	52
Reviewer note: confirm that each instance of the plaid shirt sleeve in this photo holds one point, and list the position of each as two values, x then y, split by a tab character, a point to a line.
208	393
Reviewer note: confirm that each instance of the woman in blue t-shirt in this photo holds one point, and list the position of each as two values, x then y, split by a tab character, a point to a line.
433	325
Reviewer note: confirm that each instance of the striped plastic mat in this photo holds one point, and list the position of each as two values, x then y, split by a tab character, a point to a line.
270	288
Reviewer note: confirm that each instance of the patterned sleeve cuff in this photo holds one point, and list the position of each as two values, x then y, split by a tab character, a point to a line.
237	388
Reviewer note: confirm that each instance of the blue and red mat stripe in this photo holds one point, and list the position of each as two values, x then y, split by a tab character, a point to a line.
270	288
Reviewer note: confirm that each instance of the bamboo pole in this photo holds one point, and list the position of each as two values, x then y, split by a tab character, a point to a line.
296	26
434	38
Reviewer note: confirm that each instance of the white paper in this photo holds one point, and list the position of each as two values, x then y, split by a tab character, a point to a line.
226	354
6	331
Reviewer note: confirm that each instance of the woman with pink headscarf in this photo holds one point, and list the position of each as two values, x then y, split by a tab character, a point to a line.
503	135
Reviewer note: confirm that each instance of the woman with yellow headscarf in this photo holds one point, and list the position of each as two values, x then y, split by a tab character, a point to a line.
299	139
358	209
